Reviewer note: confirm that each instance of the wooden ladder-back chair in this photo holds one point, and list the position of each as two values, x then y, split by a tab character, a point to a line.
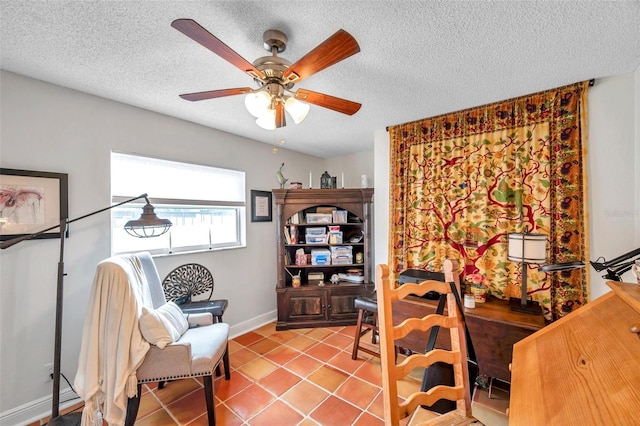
393	373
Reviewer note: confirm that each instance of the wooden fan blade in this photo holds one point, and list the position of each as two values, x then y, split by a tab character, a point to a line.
195	31
326	101
200	96
339	46
280	119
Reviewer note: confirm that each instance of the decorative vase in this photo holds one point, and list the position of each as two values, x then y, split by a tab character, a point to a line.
480	293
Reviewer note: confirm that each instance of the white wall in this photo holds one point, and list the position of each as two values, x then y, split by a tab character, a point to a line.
48	128
614	192
614	176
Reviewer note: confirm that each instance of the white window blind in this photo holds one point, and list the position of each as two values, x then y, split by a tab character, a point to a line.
206	205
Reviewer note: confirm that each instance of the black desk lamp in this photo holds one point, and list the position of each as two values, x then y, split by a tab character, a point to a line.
618	266
148	225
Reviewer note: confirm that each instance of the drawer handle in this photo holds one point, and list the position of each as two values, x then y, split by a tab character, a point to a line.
635	328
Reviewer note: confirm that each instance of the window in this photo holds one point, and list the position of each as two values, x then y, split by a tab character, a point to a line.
206	205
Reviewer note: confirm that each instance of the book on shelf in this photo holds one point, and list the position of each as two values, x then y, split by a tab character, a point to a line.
287	236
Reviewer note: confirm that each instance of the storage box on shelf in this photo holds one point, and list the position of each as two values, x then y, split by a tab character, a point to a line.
336	228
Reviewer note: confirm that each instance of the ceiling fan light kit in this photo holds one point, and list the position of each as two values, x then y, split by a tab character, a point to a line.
276	76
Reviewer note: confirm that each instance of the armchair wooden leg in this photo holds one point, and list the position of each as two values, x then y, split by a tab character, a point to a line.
208	394
132	408
225	360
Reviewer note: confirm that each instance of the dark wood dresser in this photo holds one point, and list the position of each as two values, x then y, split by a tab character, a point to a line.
494	329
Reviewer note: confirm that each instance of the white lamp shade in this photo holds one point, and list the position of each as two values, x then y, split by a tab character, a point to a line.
267	120
296	109
528	248
257	103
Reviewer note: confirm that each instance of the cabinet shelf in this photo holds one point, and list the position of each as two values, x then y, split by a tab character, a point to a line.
311	305
340	266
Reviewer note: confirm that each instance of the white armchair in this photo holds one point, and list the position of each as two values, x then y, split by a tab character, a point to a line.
133	336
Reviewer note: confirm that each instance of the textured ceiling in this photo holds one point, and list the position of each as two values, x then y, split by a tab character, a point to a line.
418	58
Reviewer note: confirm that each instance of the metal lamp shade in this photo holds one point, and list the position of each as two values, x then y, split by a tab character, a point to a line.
527	248
148	225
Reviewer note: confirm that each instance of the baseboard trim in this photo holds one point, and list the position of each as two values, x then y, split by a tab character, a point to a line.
36	410
252	324
40	408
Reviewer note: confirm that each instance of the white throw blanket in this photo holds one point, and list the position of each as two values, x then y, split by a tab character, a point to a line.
112	345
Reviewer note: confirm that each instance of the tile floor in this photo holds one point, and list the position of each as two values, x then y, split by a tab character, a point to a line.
294	377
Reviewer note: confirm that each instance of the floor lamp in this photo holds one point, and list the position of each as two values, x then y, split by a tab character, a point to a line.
148	225
526	248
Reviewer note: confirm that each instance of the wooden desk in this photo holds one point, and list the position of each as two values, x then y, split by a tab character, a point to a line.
583	368
494	329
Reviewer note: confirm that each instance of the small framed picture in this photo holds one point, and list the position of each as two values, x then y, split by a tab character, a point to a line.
261	209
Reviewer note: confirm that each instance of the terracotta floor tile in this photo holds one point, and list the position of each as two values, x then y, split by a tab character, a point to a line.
248	338
284	414
339	341
224	416
357	392
263	346
267	329
234	346
188	408
241	357
283	336
335	412
322	352
309	422
349	330
301	343
282	354
250	401
225	389
319	333
305	396
407	386
203	420
279	381
303	365
366	419
328	377
148	405
344	362
258	368
377	406
160	417
370	371
175	390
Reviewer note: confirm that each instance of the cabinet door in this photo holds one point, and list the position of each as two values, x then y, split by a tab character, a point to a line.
341	305
305	305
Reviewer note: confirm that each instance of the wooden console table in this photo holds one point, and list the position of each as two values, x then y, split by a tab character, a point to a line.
494	329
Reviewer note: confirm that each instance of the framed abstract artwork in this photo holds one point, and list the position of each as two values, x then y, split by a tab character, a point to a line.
31	201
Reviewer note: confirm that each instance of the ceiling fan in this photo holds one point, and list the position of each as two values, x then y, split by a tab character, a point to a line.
276	76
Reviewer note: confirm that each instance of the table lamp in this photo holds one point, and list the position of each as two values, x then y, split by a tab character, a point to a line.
526	248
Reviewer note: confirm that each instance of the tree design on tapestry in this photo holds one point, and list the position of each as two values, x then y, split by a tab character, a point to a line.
463	181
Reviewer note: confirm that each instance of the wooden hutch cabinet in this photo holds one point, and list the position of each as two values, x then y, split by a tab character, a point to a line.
321	233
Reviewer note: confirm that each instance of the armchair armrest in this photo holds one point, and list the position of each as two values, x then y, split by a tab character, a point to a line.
163	364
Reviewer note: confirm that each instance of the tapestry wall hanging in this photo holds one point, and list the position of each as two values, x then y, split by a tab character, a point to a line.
461	182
